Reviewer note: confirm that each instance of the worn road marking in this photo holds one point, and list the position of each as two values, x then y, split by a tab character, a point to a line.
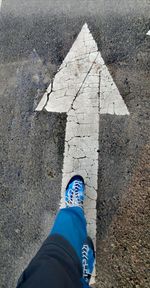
0	4
84	89
148	33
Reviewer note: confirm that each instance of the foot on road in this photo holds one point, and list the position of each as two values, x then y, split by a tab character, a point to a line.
74	196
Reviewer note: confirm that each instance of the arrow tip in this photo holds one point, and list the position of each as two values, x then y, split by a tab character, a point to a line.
85	27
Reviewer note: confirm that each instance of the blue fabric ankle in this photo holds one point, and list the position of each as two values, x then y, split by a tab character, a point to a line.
71	224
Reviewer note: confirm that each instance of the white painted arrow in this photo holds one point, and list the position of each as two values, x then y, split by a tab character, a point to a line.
83	88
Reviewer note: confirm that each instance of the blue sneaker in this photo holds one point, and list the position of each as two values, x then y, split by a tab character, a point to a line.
88	259
75	192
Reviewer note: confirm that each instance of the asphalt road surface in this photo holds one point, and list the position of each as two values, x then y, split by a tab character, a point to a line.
35	37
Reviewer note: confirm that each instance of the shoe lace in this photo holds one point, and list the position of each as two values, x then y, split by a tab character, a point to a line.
77	185
85	251
73	197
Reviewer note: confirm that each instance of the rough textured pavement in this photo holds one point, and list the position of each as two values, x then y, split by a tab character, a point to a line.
32	143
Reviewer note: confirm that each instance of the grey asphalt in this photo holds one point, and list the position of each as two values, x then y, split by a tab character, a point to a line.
32	142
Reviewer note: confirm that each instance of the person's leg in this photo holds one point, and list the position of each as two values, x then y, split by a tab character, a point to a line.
71	224
61	254
70	221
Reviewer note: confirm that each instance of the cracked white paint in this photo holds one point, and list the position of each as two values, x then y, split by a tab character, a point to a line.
148	33
83	88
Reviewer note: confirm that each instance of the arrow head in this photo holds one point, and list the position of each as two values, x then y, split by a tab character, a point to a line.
72	75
